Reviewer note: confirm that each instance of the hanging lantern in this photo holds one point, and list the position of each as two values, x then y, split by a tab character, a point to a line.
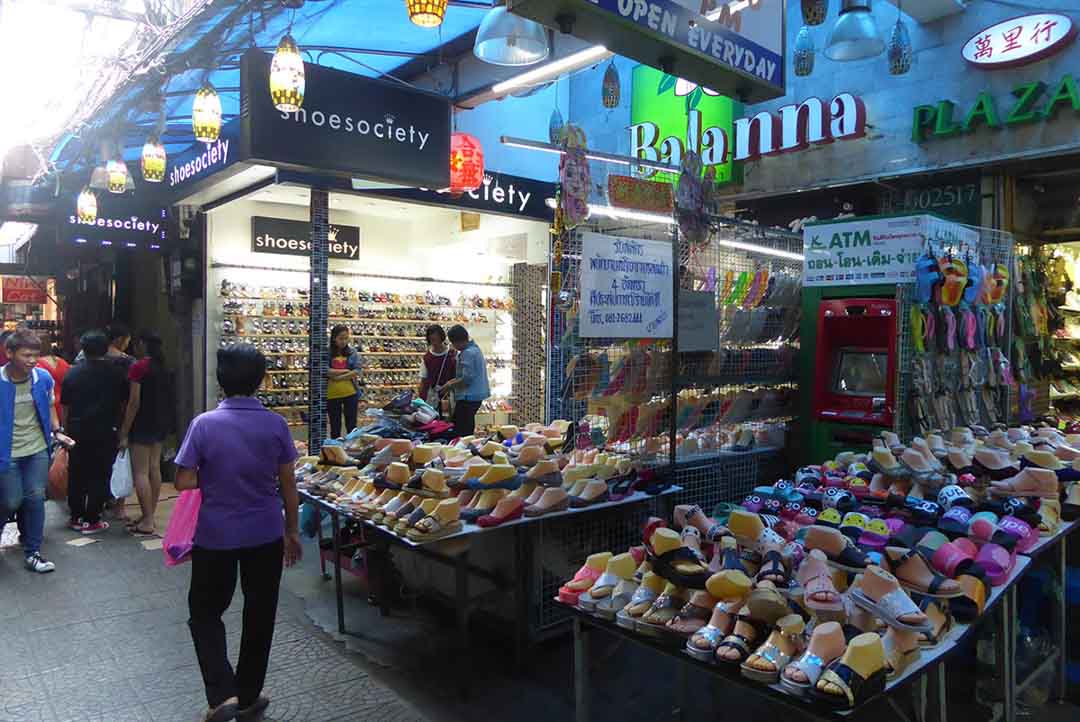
898	50
803	57
555	126
153	160
86	206
287	76
426	13
206	114
814	11
610	91
117	173
466	163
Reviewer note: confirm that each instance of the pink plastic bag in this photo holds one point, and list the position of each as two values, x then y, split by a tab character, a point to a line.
180	536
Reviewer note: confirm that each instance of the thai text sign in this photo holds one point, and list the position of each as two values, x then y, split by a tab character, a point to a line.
626	287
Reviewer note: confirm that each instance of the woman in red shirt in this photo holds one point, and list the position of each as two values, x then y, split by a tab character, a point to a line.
440	365
57	368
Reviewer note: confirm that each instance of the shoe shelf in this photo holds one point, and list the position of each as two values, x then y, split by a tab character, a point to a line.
344	319
305	299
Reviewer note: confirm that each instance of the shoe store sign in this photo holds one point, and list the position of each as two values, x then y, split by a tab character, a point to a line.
1032	102
626	287
349	124
1019	41
875	250
293	238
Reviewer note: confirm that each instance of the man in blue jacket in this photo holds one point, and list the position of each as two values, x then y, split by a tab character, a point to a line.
28	424
470	386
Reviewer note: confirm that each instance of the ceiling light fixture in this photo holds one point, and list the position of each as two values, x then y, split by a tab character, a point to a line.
287	76
510	40
206	114
590	154
153	160
86	206
855	35
803	57
117	175
554	69
899	50
426	13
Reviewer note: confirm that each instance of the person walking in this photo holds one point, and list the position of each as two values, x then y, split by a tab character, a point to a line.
342	388
240	455
57	367
94	393
28	425
470	385
147	420
438	367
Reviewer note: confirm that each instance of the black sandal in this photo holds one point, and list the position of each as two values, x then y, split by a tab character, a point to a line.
773	570
856	689
664	567
745	647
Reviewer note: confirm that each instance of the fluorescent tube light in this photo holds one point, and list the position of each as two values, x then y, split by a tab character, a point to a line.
626	160
750	247
554	69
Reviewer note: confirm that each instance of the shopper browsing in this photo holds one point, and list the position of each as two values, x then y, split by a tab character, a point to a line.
57	367
439	366
470	385
343	383
147	420
240	455
28	425
94	393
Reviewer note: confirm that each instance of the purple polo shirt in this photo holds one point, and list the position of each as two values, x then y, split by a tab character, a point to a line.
237	449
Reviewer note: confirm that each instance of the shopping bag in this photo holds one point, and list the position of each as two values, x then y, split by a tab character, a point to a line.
180	534
58	476
120	485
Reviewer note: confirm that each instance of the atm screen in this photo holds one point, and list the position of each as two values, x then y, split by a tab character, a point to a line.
861	373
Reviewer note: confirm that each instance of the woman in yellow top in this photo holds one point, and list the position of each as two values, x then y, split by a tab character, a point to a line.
342	388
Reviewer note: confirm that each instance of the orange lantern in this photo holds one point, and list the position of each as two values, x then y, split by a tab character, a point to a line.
466	163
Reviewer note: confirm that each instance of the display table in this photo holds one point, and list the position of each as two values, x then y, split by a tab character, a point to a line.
453	551
931	661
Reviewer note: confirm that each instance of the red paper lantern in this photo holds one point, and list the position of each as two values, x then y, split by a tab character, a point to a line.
466	163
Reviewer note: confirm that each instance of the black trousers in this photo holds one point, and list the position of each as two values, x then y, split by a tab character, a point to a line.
213	581
90	464
465	417
335	408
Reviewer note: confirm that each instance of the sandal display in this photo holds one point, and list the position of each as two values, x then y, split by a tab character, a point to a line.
856	676
584	578
819	592
620	567
880	594
784	643
827	643
641	601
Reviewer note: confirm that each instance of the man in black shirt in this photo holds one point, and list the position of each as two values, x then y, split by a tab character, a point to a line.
93	396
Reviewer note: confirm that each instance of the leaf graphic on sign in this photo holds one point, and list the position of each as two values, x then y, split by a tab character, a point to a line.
666	82
685	87
693	99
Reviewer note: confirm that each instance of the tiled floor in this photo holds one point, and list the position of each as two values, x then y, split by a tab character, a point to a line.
105	638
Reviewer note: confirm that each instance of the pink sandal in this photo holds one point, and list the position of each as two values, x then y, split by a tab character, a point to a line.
997	562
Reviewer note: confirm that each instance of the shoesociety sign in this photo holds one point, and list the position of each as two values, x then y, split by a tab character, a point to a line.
348	124
875	250
293	238
626	287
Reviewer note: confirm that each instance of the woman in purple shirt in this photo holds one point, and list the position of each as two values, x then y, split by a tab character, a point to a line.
240	455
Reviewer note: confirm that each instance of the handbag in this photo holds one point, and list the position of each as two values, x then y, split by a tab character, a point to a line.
433	399
57	488
179	537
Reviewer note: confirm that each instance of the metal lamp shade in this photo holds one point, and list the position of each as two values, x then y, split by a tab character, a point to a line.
505	39
206	115
287	76
898	50
610	91
153	161
117	176
803	56
426	13
855	35
814	11
86	206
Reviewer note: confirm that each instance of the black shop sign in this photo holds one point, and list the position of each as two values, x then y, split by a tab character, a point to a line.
348	124
293	238
502	193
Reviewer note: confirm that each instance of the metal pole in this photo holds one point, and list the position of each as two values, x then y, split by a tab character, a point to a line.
1008	610
581	676
337	571
461	572
1061	622
942	695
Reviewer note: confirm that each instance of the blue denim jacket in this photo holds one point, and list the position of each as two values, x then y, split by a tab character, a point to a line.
472	369
41	389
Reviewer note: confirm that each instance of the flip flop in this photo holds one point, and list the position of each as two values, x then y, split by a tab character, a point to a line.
997	561
952	559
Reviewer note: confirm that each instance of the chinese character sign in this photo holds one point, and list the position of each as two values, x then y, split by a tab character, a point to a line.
626	287
1020	40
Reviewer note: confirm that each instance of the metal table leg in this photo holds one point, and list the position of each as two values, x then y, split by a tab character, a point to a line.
942	695
1008	667
681	691
581	675
319	537
1061	622
336	521
461	574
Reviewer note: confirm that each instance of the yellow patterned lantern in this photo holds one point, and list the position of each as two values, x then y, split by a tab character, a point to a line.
287	76
206	114
153	160
426	13
86	206
117	176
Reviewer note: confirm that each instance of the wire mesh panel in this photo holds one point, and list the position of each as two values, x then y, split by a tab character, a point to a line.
527	282
953	351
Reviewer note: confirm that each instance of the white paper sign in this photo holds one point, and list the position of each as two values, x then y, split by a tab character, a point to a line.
699	322
626	287
859	251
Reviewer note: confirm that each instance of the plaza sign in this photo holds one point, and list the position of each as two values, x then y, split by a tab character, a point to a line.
1031	103
1019	41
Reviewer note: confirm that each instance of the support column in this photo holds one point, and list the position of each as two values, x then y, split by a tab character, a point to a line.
318	345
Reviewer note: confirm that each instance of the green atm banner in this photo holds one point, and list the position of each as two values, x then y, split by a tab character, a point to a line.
669	116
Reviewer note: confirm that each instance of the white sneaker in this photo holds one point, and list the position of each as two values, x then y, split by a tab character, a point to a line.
37	563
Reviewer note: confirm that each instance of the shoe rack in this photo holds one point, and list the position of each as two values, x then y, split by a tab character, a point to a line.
387	319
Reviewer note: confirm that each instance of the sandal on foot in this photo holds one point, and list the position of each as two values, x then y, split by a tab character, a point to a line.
703	643
827	644
897	660
654	622
694	614
773	570
766	604
857	676
640	602
819	592
915	573
783	644
840	552
940	621
888	601
744	636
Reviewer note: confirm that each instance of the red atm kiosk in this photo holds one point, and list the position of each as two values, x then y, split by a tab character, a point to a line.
856	362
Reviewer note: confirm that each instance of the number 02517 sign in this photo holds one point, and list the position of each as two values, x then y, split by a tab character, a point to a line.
626	287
